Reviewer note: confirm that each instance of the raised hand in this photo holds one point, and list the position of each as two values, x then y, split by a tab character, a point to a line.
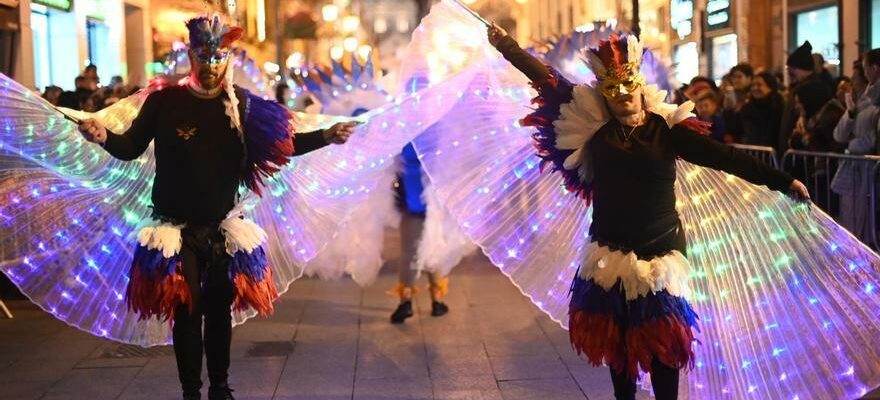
93	131
496	33
339	133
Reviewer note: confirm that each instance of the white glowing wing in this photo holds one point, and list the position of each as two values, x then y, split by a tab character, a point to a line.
64	233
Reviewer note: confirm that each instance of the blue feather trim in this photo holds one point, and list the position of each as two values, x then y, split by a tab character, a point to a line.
591	298
153	264
252	265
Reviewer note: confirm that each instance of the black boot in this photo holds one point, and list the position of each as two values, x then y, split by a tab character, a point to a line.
403	311
192	396
222	392
438	309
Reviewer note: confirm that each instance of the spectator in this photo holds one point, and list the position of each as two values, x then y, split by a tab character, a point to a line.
709	110
52	94
822	72
116	80
91	74
842	86
697	86
858	129
75	99
741	76
818	114
761	115
736	95
801	69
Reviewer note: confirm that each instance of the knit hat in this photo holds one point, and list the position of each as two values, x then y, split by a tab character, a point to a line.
802	57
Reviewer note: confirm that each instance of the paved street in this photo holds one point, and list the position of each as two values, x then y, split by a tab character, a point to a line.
327	340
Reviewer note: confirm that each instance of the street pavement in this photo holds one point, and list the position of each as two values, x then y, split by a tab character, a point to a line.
328	340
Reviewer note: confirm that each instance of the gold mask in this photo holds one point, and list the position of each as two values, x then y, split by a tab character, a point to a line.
624	80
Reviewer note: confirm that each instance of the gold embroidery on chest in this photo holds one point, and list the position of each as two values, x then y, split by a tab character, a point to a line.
186	133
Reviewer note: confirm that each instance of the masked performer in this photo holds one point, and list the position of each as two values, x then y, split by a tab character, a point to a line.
619	316
201	258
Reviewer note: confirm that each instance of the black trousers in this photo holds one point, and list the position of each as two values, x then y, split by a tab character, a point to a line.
664	380
206	270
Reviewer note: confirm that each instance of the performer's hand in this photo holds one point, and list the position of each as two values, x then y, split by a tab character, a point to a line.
93	131
339	133
496	33
799	191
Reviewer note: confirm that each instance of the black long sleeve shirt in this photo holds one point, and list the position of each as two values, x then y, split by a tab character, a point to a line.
199	155
634	186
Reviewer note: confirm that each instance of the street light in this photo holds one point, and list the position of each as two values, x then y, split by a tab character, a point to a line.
350	23
330	12
350	44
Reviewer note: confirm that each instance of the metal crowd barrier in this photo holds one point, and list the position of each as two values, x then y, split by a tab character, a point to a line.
817	170
763	153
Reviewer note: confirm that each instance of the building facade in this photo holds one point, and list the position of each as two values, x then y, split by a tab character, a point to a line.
55	39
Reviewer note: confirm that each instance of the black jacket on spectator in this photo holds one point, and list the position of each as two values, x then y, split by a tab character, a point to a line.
790	115
75	99
822	111
760	120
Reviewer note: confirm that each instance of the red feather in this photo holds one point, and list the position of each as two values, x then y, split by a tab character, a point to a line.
234	33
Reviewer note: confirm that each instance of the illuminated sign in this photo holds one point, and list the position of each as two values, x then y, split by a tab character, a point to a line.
59	4
681	16
717	14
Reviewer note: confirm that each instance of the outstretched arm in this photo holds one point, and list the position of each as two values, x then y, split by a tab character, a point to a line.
311	141
533	68
133	142
702	150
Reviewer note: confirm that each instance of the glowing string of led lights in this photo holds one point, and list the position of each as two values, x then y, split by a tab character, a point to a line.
68	208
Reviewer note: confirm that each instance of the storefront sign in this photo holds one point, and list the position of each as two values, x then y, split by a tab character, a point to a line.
681	16
59	4
717	14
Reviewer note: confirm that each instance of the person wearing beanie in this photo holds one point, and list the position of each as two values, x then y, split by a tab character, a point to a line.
801	68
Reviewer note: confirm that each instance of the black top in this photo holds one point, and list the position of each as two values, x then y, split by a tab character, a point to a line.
199	156
633	187
634	183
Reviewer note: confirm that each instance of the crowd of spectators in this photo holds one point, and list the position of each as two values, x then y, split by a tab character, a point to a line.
88	94
814	112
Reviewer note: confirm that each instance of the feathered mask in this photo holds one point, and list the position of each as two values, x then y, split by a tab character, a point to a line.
616	63
208	35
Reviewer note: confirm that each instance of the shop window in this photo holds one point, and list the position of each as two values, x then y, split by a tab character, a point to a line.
821	28
42	46
724	55
687	61
875	24
98	36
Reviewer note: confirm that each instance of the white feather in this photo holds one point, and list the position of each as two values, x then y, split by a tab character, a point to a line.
634	50
161	236
639	277
357	248
594	63
443	244
578	122
242	235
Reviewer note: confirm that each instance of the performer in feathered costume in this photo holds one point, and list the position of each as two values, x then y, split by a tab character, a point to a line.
199	257
616	144
431	241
